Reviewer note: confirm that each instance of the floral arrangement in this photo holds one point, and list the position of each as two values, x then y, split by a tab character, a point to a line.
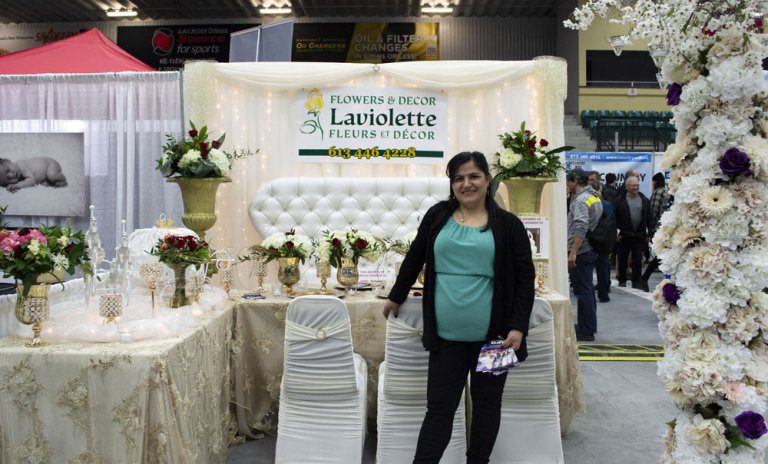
713	242
28	253
196	156
351	244
283	245
525	155
182	249
401	247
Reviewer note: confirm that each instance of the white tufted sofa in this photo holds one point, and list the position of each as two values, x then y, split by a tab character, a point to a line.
384	206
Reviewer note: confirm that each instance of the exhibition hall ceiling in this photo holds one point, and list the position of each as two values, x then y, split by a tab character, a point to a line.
52	11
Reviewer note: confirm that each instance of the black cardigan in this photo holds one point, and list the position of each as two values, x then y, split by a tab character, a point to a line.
624	218
513	283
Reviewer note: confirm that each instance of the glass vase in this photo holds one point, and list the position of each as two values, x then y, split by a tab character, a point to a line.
347	274
33	309
179	297
288	273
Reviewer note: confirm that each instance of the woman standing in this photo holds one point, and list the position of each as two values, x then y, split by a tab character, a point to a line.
479	286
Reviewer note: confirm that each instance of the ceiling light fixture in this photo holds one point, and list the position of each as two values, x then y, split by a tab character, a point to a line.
122	13
437	9
275	11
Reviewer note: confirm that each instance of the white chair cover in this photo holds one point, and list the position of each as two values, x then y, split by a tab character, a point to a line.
530	418
402	400
324	387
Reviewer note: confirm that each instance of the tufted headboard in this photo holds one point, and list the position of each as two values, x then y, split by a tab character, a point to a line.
384	206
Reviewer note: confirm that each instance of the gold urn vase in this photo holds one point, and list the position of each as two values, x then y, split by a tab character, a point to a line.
347	273
288	273
524	194
199	196
33	309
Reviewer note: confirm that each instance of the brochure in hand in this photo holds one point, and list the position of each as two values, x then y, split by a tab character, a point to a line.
494	359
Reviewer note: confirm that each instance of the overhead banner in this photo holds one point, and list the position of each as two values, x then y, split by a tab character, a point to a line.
22	37
365	42
616	162
166	48
370	124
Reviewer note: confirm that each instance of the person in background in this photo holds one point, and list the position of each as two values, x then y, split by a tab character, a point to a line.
660	202
610	192
627	175
585	212
594	181
479	286
631	211
603	262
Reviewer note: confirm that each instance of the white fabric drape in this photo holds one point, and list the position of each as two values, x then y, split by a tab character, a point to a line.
254	104
124	117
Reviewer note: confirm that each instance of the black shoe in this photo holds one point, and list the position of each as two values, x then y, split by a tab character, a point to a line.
622	284
637	286
604	299
585	337
644	286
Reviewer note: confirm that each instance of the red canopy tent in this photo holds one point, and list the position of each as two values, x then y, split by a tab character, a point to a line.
89	52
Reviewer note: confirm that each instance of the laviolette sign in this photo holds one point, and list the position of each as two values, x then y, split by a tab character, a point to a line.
347	124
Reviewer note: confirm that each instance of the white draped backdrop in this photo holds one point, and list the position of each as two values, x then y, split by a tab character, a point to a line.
254	104
124	117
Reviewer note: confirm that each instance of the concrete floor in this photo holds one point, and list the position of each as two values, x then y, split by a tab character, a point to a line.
626	404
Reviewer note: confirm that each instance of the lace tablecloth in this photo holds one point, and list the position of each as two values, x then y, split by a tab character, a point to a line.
258	356
159	401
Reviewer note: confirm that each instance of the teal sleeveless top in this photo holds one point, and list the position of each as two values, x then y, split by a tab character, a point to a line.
464	287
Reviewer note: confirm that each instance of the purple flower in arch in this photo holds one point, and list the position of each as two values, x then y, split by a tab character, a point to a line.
735	162
751	425
671	293
673	94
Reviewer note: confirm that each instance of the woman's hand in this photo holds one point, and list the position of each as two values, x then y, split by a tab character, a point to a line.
390	307
514	339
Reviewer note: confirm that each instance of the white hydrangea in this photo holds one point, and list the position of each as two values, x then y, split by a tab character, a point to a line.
728	231
189	158
732	79
220	160
509	158
701	308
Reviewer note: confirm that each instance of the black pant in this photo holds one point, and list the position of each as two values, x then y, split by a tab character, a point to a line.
626	246
447	376
652	266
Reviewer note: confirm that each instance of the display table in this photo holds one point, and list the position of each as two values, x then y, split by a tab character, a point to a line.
160	401
258	356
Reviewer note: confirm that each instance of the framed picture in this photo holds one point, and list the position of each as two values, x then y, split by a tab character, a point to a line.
42	174
538	235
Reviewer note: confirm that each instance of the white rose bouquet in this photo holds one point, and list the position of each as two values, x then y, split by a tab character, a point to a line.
351	244
284	245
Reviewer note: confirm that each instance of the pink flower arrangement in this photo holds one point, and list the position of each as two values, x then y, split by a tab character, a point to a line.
27	253
11	241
